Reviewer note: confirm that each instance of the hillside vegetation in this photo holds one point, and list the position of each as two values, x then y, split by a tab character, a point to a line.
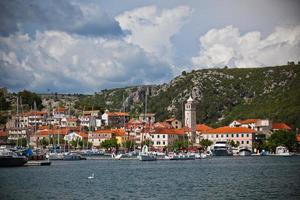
221	94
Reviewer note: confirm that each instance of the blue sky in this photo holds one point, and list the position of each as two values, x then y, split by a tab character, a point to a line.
87	46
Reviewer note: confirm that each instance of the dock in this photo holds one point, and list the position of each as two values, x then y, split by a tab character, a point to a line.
38	163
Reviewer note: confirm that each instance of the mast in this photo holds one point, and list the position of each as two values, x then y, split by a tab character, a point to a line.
17	121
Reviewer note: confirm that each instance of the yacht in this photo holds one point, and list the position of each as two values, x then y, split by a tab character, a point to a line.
73	156
11	159
180	156
282	151
145	155
222	148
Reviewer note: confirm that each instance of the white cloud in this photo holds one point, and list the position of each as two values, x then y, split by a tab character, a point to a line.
67	62
227	46
152	29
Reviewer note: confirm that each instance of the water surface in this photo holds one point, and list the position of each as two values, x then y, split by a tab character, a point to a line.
214	178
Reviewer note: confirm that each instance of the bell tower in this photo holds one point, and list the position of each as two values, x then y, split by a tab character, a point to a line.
190	114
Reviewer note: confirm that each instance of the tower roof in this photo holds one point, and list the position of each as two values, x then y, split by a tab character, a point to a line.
190	99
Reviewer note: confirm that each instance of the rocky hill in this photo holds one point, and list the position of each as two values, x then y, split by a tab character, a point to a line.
221	94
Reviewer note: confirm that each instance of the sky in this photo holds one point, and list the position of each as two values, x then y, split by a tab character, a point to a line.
87	46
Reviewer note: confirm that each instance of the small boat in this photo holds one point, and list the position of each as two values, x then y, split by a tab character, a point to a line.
244	151
145	155
116	157
90	153
11	159
282	151
55	156
222	148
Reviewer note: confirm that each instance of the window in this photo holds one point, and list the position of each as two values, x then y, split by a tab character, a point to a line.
152	136
217	136
242	142
242	135
221	135
226	135
247	142
237	135
247	135
158	142
157	136
164	136
164	143
231	135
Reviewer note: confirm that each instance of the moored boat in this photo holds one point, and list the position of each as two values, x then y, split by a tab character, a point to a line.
222	148
145	155
282	151
11	159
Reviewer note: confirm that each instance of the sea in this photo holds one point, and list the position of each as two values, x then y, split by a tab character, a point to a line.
255	177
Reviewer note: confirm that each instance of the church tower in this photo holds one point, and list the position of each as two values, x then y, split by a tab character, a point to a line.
190	114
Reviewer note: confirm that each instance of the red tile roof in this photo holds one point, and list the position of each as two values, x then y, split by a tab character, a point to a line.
162	125
202	127
169	131
227	129
60	110
248	121
281	126
35	113
118	114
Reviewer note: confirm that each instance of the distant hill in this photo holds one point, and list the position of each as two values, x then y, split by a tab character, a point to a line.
221	94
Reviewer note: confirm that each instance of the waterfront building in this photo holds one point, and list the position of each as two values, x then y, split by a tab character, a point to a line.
163	137
259	125
200	129
98	136
15	134
70	122
242	135
175	123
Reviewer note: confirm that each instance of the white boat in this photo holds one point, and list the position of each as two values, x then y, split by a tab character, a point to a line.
244	151
116	157
282	151
181	156
55	156
222	148
145	155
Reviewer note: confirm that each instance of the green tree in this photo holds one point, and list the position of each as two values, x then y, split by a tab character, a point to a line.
234	144
282	138
109	144
29	98
128	144
44	142
180	145
206	143
147	142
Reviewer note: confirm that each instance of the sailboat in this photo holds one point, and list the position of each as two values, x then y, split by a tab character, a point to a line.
145	155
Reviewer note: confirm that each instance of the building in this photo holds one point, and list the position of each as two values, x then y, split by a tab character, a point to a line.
280	126
115	119
98	136
70	122
175	123
259	125
242	135
147	117
163	137
200	129
16	134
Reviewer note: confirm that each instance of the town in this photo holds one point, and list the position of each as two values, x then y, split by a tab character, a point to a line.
113	132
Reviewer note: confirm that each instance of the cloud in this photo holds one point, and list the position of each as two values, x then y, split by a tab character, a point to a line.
67	62
30	16
220	47
152	29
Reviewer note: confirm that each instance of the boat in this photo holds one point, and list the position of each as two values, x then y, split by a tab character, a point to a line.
116	157
222	148
180	156
11	159
282	151
55	156
90	153
73	156
244	151
145	155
